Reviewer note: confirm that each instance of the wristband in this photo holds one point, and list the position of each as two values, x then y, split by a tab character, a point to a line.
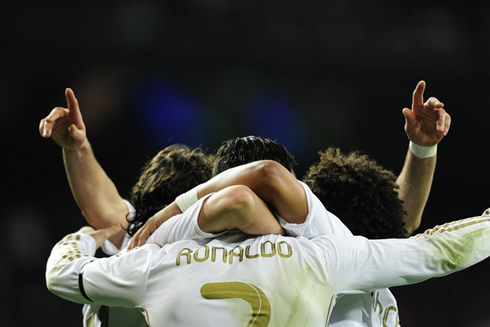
423	152
187	199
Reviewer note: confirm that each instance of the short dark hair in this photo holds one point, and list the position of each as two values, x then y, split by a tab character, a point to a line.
243	150
360	192
171	172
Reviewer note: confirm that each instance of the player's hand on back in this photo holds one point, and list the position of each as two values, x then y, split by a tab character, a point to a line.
100	235
152	224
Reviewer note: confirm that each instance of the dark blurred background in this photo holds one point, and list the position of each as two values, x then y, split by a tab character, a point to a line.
309	74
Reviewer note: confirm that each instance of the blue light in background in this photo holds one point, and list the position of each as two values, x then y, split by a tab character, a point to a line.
271	115
170	115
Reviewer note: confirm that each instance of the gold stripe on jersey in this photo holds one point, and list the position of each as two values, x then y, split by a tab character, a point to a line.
204	253
455	225
146	314
90	322
70	242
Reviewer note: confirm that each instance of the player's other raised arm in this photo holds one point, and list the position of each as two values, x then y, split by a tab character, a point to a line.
93	191
426	124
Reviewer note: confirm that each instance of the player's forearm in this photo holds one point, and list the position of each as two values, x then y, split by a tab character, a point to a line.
271	182
93	190
415	181
237	207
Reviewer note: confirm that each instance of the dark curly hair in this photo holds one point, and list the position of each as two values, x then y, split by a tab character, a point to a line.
243	150
360	192
173	171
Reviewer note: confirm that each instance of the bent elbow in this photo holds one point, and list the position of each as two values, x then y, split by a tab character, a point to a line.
239	198
270	172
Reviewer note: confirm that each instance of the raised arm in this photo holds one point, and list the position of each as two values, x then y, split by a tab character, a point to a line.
426	123
93	191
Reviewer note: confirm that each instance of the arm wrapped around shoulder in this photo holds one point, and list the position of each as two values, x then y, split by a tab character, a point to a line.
65	264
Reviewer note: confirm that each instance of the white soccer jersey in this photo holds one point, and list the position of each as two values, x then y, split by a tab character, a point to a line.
374	309
108	247
96	315
269	280
378	308
319	220
182	227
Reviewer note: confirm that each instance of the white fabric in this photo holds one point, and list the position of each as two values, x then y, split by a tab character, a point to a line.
287	281
378	308
108	247
182	227
176	228
113	316
351	310
319	220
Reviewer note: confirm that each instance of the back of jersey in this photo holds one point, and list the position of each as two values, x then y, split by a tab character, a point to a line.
263	281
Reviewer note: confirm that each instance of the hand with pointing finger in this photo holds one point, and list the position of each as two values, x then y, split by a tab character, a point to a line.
65	125
426	123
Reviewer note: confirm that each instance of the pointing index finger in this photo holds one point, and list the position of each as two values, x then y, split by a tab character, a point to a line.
73	107
418	94
71	99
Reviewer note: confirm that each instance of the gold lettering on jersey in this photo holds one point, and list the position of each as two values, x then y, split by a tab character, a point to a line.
214	252
385	313
377	303
236	252
393	310
186	253
267	249
206	254
250	256
284	249
259	303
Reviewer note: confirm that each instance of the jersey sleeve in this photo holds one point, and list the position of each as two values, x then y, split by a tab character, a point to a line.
74	274
64	264
182	227
319	220
356	263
